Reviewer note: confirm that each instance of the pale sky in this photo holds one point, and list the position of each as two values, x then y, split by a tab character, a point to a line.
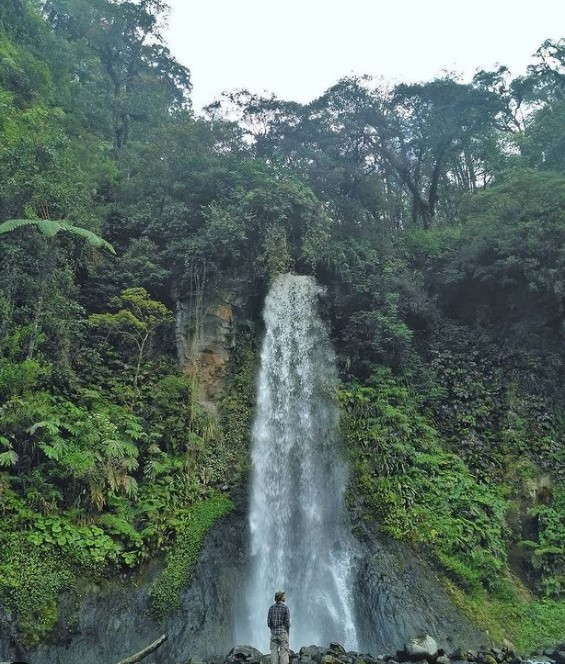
299	48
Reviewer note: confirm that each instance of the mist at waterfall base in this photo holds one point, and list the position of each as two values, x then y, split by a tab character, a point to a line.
300	539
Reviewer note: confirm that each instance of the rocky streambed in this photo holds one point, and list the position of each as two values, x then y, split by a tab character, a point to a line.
423	649
418	650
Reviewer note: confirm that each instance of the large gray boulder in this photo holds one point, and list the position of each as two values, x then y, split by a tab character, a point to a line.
421	647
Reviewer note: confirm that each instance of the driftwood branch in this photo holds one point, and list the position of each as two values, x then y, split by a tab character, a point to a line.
146	651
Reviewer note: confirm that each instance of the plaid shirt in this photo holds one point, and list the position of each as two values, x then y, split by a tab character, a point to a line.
278	618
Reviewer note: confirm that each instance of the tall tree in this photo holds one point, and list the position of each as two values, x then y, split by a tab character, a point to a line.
127	39
543	142
431	135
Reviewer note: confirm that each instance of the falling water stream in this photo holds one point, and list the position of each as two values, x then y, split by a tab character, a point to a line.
300	541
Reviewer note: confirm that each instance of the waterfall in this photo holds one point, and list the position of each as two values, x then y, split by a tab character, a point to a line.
300	542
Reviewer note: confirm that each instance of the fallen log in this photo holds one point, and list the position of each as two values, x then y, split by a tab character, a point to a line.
146	651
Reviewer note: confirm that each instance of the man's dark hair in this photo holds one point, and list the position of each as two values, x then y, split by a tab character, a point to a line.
279	596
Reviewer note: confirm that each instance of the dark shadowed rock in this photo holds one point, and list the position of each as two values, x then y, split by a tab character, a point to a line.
337	649
314	653
399	595
244	655
365	658
328	658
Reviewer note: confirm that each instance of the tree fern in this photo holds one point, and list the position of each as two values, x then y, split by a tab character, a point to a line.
50	227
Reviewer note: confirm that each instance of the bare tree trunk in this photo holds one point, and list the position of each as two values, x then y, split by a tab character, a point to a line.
146	651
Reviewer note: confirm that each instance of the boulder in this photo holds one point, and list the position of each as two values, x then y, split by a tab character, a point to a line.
336	649
244	655
313	652
365	658
329	659
421	647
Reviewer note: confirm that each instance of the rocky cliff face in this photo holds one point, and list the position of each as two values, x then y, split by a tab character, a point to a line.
205	336
400	597
113	621
397	597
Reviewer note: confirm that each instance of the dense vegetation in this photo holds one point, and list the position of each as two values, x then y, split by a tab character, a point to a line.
435	215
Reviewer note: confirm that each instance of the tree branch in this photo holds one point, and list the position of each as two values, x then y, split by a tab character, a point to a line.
146	651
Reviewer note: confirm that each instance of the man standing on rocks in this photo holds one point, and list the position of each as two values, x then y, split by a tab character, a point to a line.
278	621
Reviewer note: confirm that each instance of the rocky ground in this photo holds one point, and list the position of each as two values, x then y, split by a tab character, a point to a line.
422	649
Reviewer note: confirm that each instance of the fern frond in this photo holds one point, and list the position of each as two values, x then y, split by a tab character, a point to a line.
50	228
51	426
93	240
9	458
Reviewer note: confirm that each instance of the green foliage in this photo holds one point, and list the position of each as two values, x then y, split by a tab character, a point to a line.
506	272
78	495
23	75
180	561
47	180
31	579
469	402
19	377
86	451
237	406
272	223
540	624
85	546
548	552
134	326
169	406
543	143
530	624
374	296
129	65
514	234
418	491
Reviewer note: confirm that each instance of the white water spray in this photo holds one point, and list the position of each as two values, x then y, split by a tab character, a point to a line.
300	542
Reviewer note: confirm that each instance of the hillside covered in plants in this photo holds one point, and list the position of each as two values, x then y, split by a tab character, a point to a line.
432	212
